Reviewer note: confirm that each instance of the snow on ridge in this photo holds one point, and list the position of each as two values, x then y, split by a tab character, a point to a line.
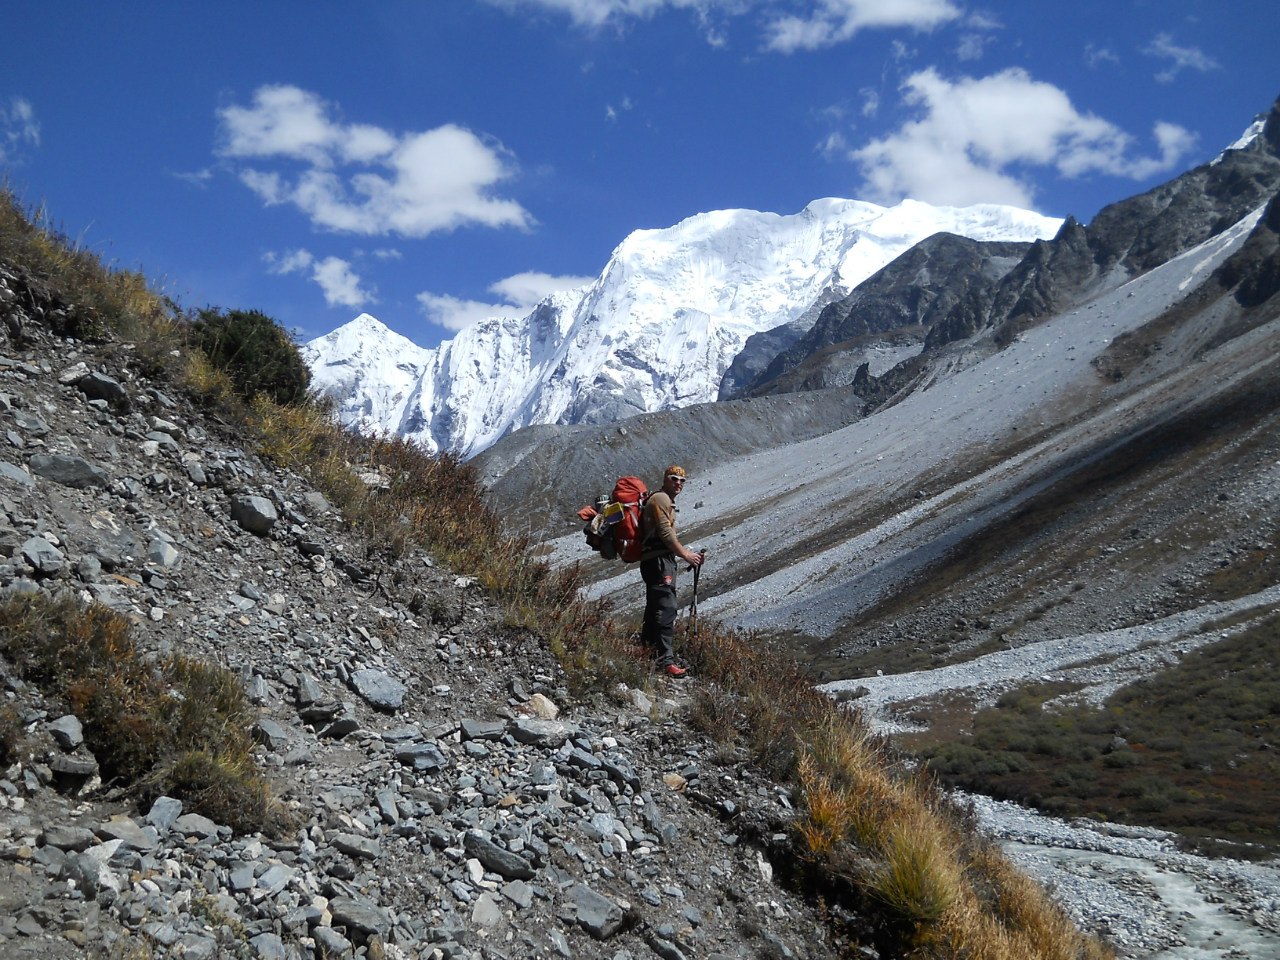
656	330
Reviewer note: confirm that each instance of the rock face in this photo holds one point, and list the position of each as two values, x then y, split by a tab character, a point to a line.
1125	239
439	810
895	307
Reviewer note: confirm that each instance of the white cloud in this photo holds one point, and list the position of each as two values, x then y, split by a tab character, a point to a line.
593	14
362	179
529	288
291	261
453	313
834	21
972	46
339	283
1180	58
834	146
197	178
18	129
1095	56
520	293
805	24
611	112
974	135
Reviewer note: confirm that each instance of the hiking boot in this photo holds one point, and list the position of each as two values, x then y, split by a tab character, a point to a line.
674	670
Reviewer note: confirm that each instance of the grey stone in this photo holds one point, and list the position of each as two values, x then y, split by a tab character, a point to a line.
596	914
665	949
75	472
68	731
309	691
386	801
254	514
268	946
163	554
314	504
487	911
63	836
98	386
519	893
548	734
90	872
359	915
270	734
380	691
483	729
43	556
29	926
195	825
357	846
331	945
71	770
274	879
131	836
422	757
30	424
15	474
506	864
163	813
194	946
241	878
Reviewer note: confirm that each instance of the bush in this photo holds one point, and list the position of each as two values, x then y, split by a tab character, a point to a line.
167	725
255	352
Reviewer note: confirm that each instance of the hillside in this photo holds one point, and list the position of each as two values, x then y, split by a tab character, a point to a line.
1042	553
442	790
276	691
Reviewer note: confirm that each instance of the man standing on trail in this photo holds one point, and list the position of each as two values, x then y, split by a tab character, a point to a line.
658	568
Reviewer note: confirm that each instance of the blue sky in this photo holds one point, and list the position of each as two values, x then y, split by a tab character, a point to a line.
431	162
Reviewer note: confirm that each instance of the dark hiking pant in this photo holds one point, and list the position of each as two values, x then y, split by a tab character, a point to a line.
659	630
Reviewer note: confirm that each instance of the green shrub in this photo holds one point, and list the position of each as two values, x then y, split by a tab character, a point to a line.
255	352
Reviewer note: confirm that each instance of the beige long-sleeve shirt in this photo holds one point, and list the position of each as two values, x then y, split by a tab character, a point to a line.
660	525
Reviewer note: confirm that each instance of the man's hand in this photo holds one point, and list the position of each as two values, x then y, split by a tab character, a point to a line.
693	559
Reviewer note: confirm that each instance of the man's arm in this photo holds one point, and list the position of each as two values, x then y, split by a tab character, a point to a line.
664	520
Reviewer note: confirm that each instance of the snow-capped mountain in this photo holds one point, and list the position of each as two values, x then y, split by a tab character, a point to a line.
657	330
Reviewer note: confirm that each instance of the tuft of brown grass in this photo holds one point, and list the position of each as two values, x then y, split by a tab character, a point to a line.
98	299
865	816
168	725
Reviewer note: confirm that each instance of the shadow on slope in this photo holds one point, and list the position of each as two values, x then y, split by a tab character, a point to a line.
545	473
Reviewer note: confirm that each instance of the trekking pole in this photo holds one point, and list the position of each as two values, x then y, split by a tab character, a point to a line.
693	607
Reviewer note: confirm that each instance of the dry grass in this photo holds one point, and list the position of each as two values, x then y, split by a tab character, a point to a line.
167	725
96	299
865	818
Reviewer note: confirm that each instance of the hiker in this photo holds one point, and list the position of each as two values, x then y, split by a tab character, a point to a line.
658	568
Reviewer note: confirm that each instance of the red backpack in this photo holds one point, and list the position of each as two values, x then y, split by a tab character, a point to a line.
614	526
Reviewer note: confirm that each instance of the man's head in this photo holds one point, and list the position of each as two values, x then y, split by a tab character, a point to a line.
673	480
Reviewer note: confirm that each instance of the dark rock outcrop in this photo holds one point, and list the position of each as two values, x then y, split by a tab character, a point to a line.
913	292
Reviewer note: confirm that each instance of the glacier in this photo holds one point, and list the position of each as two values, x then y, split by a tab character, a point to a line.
656	330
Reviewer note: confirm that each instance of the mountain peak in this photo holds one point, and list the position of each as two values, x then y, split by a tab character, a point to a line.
657	330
